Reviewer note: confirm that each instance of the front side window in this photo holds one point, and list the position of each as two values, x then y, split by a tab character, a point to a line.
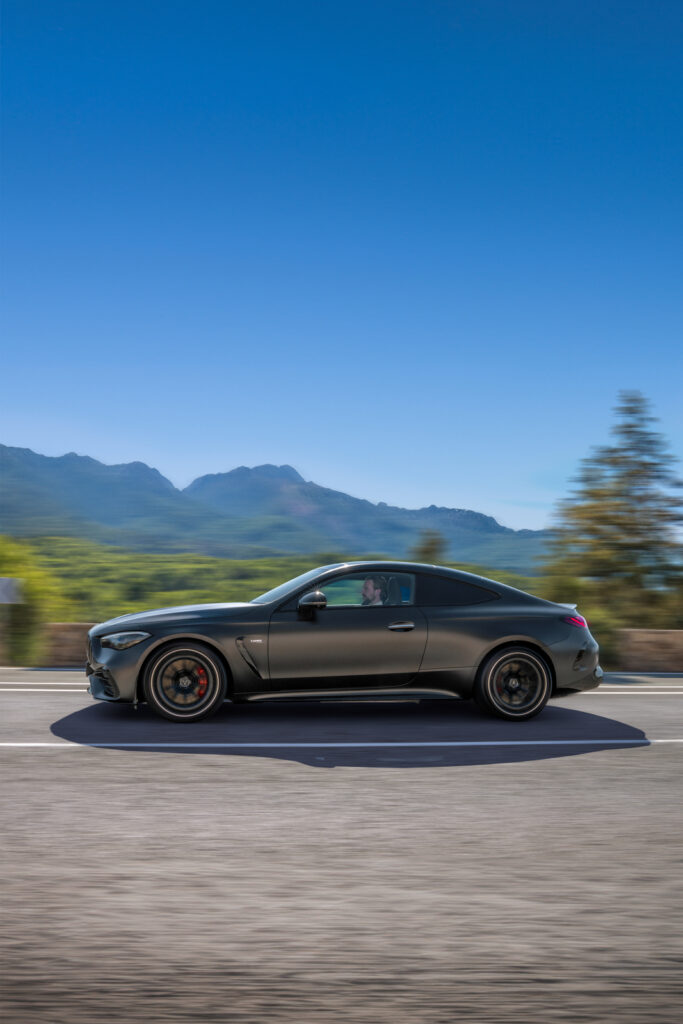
291	585
370	589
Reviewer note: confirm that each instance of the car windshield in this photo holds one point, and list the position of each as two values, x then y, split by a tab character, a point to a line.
291	585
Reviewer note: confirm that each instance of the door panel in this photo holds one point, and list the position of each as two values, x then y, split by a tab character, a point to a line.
346	646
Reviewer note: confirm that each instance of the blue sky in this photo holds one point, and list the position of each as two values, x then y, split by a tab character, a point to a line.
414	249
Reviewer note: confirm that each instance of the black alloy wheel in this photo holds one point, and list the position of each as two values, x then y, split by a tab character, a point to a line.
514	683
185	682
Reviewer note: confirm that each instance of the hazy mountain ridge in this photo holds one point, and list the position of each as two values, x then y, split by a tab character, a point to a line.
244	512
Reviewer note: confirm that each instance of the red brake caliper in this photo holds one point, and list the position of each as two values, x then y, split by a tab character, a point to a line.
203	682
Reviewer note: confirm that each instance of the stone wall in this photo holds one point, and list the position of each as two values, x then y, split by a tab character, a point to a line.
650	650
640	650
65	644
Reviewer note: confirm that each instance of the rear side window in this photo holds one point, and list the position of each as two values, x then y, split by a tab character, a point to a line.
438	591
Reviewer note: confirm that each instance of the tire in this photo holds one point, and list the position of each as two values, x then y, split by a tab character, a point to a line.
514	683
185	682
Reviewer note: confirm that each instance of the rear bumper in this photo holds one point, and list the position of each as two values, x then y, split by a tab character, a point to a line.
576	664
586	682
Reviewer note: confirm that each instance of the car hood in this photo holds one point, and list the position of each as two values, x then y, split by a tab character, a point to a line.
166	616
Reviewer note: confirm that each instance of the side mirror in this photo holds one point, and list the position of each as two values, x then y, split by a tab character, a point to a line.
311	603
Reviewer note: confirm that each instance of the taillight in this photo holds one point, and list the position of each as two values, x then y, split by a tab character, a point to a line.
575	620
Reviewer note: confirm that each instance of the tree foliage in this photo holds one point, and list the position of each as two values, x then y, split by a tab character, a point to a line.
97	581
431	548
616	535
21	624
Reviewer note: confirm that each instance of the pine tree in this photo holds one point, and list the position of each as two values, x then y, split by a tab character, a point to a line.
618	527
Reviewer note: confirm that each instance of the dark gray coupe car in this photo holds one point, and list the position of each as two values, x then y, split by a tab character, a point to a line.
350	629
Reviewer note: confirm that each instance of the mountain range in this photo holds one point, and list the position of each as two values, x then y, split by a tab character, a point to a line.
243	513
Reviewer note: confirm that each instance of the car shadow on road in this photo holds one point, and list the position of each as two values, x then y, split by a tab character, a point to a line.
314	733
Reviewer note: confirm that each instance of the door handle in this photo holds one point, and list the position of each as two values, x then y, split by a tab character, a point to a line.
401	627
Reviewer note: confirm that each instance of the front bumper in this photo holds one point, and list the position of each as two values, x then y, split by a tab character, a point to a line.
112	675
102	687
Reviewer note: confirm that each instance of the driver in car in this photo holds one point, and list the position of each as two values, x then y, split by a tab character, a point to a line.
374	590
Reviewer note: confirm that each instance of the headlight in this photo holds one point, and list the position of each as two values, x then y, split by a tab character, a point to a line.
119	641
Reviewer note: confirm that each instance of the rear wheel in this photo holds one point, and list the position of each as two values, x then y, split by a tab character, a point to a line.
185	682
514	683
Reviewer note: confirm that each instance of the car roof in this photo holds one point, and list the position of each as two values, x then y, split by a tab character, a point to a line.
386	566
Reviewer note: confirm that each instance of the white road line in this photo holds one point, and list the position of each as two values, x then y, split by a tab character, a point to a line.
62	689
113	744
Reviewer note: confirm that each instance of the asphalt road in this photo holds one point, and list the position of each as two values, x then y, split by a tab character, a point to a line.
369	862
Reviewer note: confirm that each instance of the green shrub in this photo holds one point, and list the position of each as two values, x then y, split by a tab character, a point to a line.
22	623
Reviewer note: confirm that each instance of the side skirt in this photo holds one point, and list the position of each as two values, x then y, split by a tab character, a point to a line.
400	693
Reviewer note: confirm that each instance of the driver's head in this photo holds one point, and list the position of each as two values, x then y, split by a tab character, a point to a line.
373	590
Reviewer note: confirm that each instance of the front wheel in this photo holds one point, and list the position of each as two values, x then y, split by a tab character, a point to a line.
185	682
514	683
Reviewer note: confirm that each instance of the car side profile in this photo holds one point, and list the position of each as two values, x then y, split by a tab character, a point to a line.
350	629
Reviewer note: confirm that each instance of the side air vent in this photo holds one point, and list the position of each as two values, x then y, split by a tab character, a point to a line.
242	648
